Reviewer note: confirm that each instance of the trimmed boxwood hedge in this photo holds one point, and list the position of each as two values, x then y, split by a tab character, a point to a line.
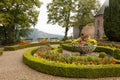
108	50
112	44
13	48
1	52
17	47
70	70
68	47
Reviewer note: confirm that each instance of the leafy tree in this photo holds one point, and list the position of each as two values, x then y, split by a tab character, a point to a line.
112	20
59	12
15	15
84	11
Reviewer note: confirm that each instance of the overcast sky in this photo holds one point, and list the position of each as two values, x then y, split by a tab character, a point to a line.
42	21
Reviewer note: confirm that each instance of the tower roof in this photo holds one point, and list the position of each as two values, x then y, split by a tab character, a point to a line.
101	11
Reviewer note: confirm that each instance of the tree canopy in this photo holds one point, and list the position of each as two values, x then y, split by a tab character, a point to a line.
15	15
112	20
72	13
59	12
84	11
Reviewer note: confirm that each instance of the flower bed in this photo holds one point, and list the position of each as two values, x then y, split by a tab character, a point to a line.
108	50
46	52
70	70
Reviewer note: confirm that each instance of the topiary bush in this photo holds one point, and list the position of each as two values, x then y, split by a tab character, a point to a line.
102	55
70	70
112	20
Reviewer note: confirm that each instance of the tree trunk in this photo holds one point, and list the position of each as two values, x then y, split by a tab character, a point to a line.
80	29
66	32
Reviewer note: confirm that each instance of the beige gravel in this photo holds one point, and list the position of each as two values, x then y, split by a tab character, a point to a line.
12	68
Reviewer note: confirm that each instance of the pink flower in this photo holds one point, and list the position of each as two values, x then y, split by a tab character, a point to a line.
83	42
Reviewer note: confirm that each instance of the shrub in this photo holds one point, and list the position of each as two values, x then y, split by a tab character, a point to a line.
107	50
117	54
112	20
70	70
68	47
12	48
1	52
102	55
110	51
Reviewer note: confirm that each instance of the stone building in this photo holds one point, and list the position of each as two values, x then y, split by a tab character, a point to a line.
99	19
98	30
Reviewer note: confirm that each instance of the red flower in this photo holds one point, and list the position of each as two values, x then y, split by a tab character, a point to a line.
113	62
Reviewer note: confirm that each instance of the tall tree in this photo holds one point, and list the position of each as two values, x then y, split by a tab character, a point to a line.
15	15
112	20
59	12
84	11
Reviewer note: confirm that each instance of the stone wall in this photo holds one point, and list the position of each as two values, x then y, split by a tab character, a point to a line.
99	29
75	32
87	30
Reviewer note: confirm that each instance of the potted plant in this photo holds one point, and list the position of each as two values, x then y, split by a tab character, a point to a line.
85	46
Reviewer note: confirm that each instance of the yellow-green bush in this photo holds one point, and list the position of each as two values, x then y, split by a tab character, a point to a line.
115	52
68	47
17	47
70	70
1	52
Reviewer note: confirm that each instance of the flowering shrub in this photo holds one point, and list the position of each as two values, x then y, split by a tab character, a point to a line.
85	42
54	55
24	43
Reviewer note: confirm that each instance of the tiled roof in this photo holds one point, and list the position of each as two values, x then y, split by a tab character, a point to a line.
101	11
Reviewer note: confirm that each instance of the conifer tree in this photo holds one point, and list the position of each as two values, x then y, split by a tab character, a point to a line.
112	20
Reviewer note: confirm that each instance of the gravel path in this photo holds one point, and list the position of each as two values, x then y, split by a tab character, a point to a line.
12	68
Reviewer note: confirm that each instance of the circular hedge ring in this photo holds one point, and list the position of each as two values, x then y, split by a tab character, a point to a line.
70	70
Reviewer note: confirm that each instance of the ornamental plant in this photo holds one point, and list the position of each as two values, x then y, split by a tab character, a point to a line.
84	42
24	43
55	55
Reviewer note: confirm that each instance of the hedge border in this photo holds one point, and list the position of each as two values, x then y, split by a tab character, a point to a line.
70	70
17	47
108	50
1	52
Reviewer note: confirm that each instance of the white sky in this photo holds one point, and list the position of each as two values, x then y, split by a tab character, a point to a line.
42	21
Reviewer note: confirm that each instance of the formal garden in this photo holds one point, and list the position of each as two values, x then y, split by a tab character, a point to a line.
84	57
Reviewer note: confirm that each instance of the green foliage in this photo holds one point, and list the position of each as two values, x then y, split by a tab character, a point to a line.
83	12
70	70
102	55
1	52
17	47
72	13
68	47
112	20
59	12
16	15
117	54
108	50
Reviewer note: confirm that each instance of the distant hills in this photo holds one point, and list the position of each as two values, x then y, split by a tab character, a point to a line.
37	34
